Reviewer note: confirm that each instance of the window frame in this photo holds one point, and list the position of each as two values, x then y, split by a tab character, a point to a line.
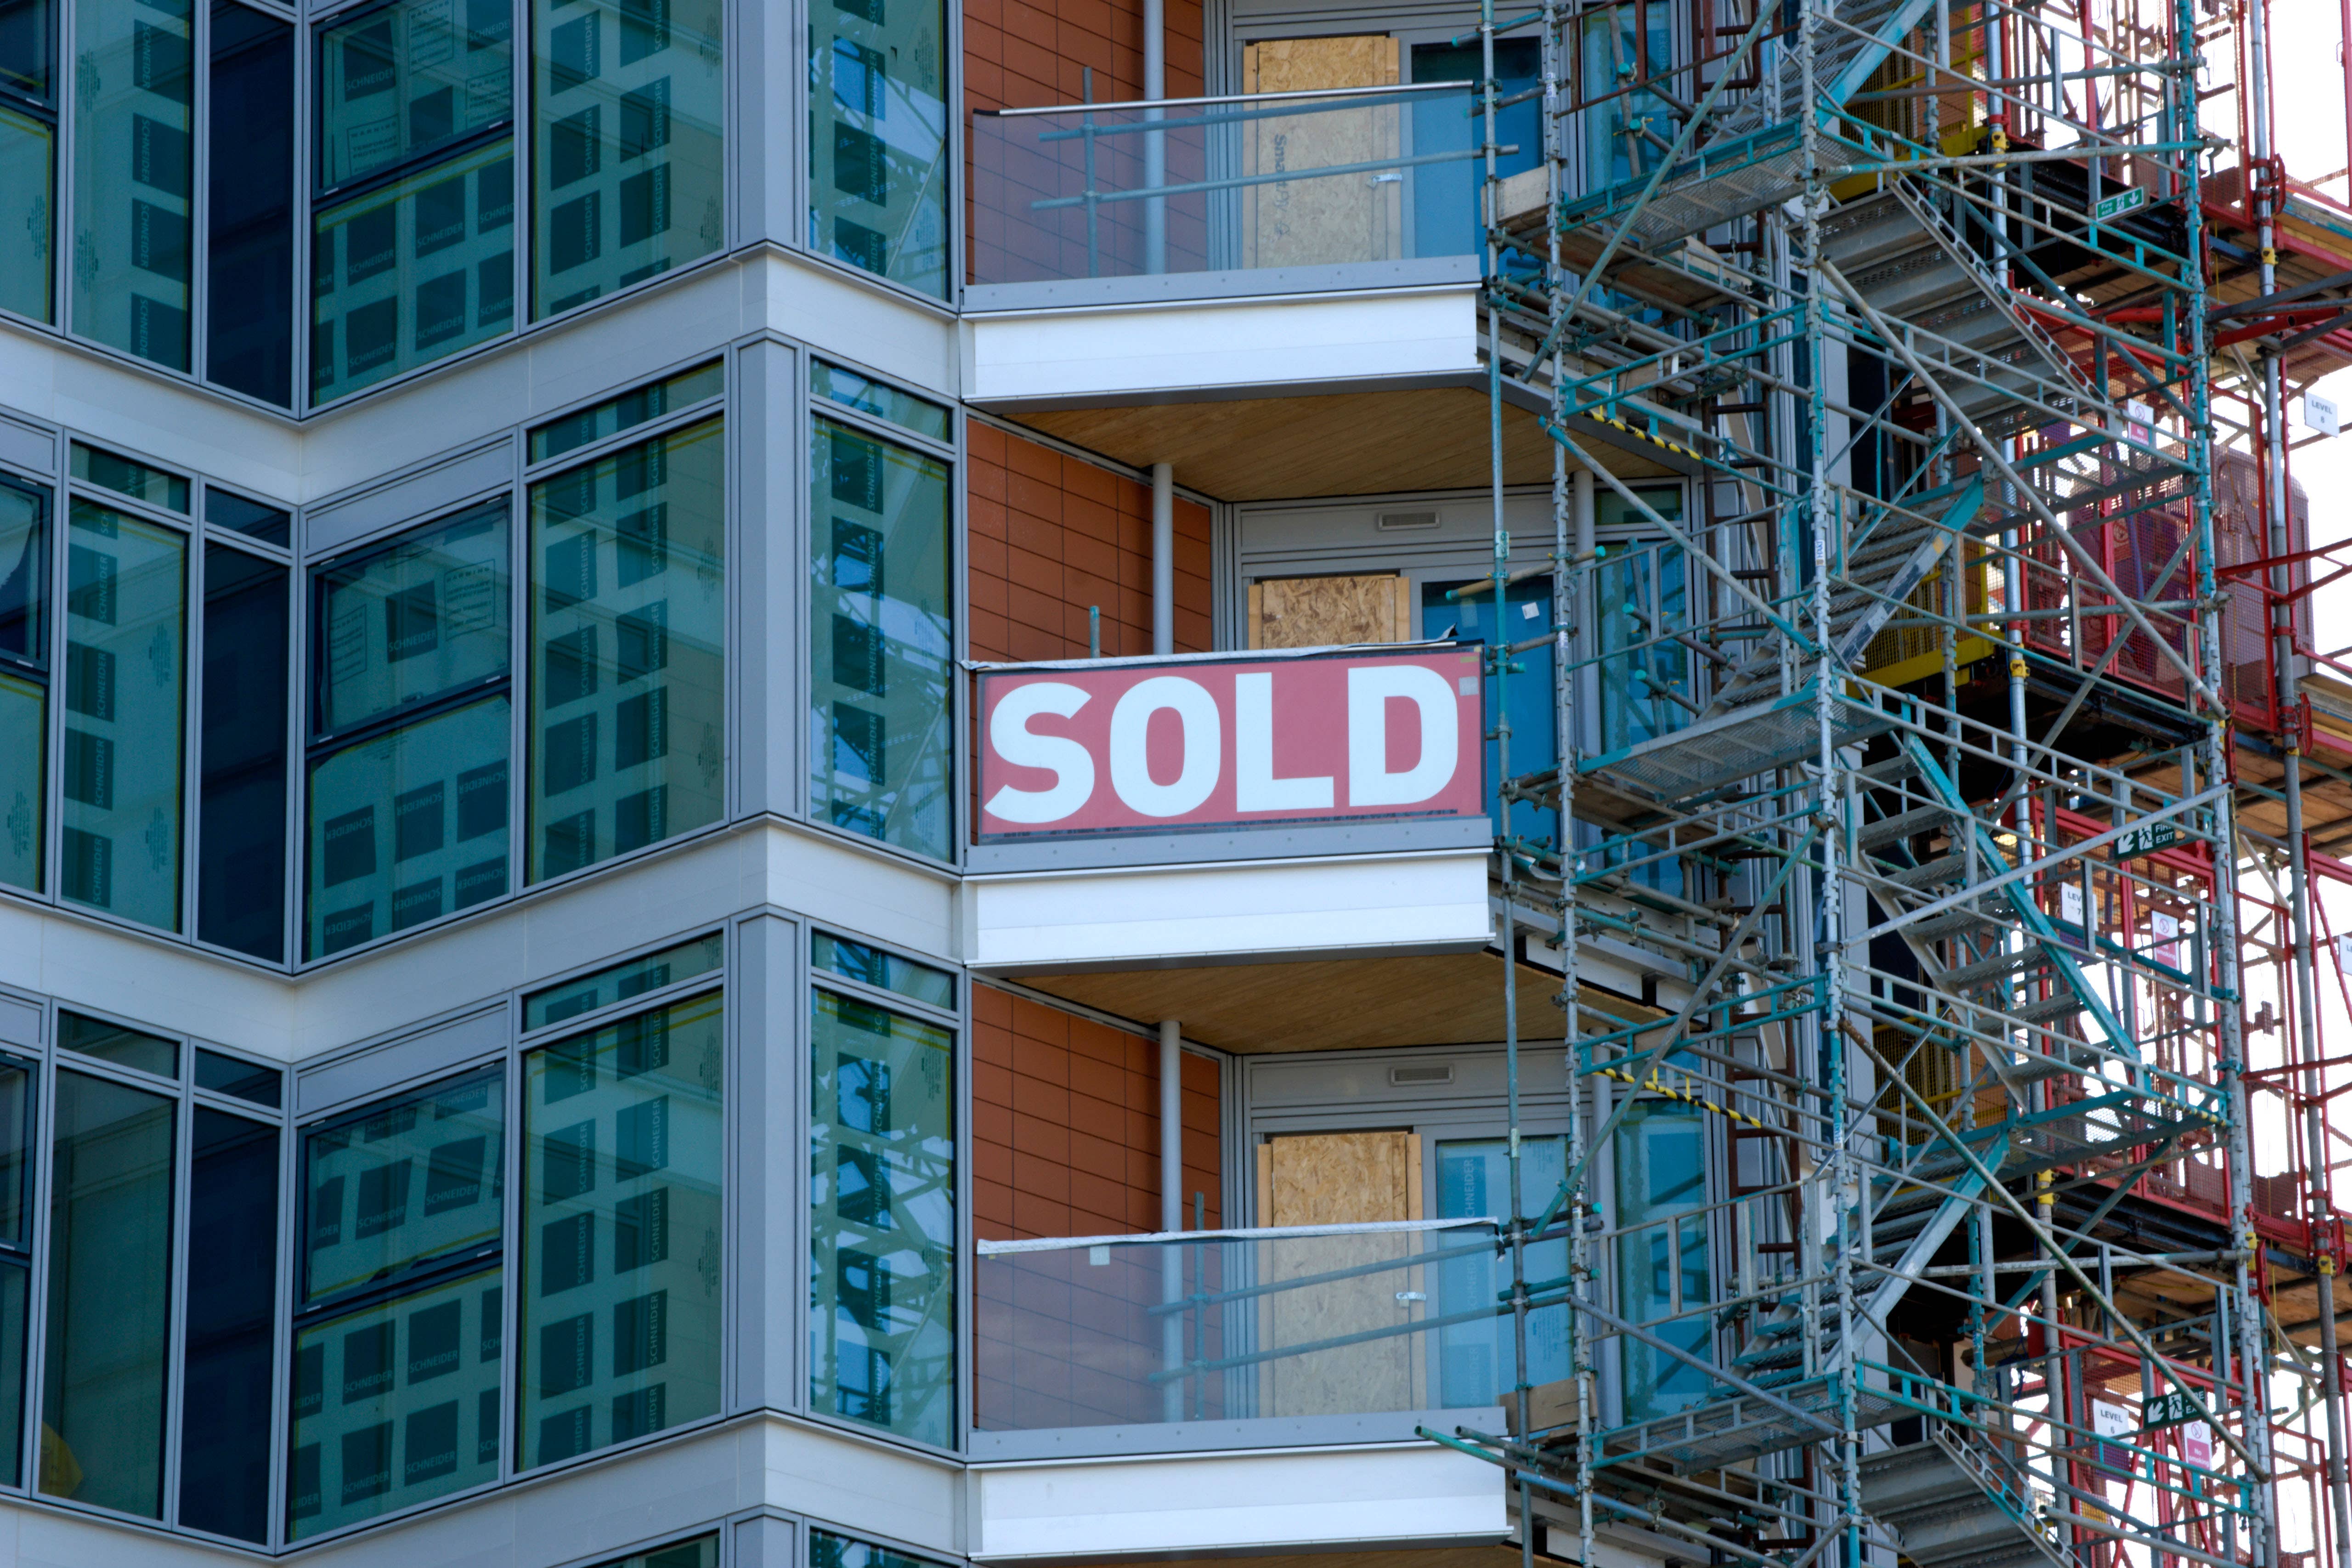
46	1060
809	407
801	1231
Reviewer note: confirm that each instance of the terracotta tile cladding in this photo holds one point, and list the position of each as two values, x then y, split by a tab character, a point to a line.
1053	1093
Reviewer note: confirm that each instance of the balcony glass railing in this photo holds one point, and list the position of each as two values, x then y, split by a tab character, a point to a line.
1281	179
1239	1326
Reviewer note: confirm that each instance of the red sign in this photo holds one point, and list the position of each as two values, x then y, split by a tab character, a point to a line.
1169	745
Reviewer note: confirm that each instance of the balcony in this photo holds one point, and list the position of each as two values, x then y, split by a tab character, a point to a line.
1277	293
1205	1392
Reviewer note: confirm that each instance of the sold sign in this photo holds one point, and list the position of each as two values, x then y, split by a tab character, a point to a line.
1161	745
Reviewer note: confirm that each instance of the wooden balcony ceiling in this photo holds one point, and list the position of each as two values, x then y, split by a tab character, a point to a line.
1332	444
1335	1004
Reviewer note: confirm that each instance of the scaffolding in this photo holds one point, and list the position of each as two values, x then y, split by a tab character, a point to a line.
1912	760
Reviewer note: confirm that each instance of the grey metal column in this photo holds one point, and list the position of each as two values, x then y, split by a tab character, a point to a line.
1172	1199
1164	568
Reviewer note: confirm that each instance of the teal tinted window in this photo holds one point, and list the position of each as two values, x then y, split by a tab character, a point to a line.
621	1263
407	799
23	681
883	1230
29	153
670	966
128	476
118	1044
858	960
881	400
106	1371
881	640
407	1182
878	140
16	1079
133	170
412	270
1475	1365
827	1550
627	650
637	406
628	99
126	647
399	82
396	1404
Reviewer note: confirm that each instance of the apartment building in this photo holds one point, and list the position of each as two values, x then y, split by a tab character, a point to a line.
887	783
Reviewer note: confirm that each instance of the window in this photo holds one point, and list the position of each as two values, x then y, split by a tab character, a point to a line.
232	1308
104	1382
628	98
639	405
269	524
23	681
827	1550
878	139
1474	1360
16	1079
126	647
627	637
153	487
1527	613
621	981
249	271
881	638
619	1266
412	230
702	1551
241	791
118	1044
1662	1256
882	1265
29	152
408	785
398	1324
133	174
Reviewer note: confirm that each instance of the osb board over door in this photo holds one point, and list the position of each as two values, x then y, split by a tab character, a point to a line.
1320	612
1340	1178
1338	218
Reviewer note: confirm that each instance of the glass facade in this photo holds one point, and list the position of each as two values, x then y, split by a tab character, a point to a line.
606	988
28	160
628	650
249	267
106	1371
883	1230
407	796
133	175
412	250
126	652
24	681
627	182
231	1333
241	752
400	1315
882	639
878	169
17	1079
638	406
619	1263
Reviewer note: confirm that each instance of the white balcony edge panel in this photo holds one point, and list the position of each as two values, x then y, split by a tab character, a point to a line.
1204	345
1416	1494
1189	914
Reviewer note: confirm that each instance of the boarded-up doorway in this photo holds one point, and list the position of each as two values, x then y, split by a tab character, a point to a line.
1340	1178
1310	222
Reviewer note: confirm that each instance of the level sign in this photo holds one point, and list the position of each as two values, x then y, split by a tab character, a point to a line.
2131	198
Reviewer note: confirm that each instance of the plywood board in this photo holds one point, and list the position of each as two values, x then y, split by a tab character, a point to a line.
1311	221
1323	612
1340	1178
1335	444
1329	1005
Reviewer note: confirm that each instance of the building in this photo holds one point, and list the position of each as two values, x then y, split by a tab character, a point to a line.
885	783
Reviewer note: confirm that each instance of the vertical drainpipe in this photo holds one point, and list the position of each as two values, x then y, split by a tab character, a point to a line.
1163	558
1171	1210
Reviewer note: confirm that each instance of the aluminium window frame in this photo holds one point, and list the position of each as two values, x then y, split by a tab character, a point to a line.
809	407
800	1233
50	1059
